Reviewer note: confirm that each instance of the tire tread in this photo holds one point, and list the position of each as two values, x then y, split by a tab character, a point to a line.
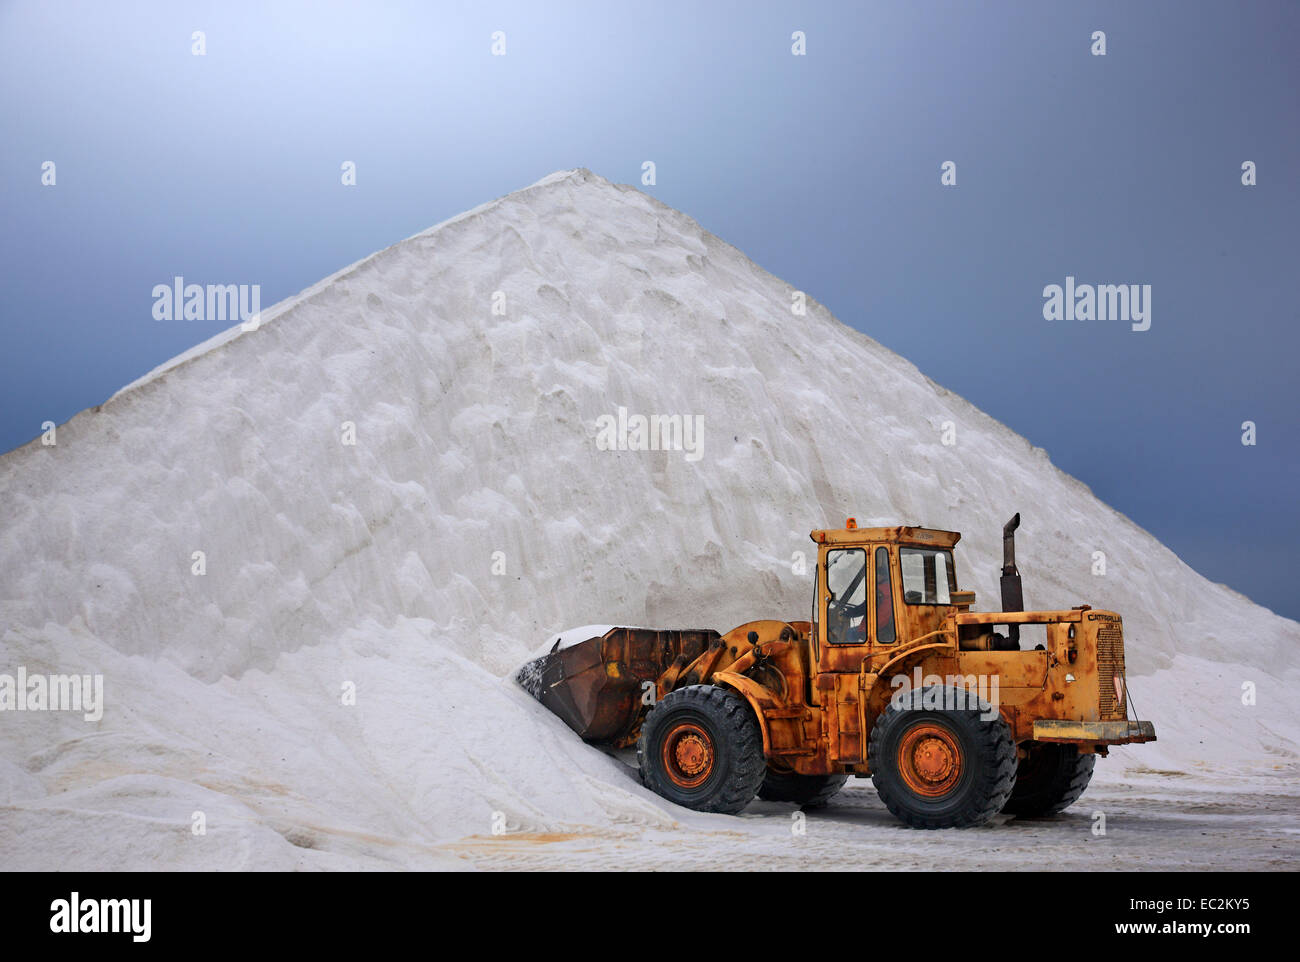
735	721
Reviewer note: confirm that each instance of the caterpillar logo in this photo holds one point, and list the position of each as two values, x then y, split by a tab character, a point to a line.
1101	616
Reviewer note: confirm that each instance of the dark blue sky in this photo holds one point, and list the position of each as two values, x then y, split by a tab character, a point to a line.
823	168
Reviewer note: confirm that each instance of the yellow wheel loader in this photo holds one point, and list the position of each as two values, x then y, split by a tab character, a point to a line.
895	677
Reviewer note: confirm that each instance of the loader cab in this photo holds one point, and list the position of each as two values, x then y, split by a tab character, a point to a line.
877	587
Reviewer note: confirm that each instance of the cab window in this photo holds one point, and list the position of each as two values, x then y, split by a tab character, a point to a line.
885	634
928	576
846	608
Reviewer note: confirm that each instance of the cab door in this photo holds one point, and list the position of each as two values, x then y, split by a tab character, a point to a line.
847	633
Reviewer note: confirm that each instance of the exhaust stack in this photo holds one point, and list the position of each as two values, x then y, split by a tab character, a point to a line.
1013	595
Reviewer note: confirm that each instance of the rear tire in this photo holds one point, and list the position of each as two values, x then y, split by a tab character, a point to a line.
1049	780
941	767
701	747
808	791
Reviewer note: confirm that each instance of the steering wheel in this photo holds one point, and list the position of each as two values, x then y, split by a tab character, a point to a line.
839	619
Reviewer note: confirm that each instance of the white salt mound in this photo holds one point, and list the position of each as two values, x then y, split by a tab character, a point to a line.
475	517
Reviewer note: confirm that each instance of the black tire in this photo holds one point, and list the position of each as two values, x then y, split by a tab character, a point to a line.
941	767
1049	780
713	727
808	791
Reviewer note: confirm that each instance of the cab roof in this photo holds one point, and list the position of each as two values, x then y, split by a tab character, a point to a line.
903	533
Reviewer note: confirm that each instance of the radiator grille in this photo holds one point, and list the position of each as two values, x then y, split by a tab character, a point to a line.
1110	662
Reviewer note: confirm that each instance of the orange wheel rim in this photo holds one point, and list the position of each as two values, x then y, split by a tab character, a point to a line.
688	755
930	760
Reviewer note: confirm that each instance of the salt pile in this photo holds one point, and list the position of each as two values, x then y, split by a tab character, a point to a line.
476	516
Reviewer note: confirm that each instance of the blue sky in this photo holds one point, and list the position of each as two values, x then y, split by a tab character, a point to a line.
823	168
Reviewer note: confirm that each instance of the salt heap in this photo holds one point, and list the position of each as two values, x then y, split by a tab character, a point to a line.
476	515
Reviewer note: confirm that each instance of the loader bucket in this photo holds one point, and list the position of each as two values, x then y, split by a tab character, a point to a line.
598	686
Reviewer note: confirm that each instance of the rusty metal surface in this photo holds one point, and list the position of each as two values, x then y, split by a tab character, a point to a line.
905	534
930	760
1094	733
598	686
1018	617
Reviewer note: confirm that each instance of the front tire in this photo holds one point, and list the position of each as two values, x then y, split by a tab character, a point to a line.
701	747
941	767
807	791
1049	779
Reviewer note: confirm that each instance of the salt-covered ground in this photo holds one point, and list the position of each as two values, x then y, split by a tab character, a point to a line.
476	516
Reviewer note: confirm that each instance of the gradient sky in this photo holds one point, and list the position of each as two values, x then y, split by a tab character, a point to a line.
824	169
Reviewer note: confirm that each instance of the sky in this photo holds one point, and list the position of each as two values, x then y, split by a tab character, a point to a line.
825	168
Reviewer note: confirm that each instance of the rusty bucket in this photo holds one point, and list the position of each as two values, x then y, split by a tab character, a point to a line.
599	686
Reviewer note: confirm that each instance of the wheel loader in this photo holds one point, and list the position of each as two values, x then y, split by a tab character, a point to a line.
895	677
